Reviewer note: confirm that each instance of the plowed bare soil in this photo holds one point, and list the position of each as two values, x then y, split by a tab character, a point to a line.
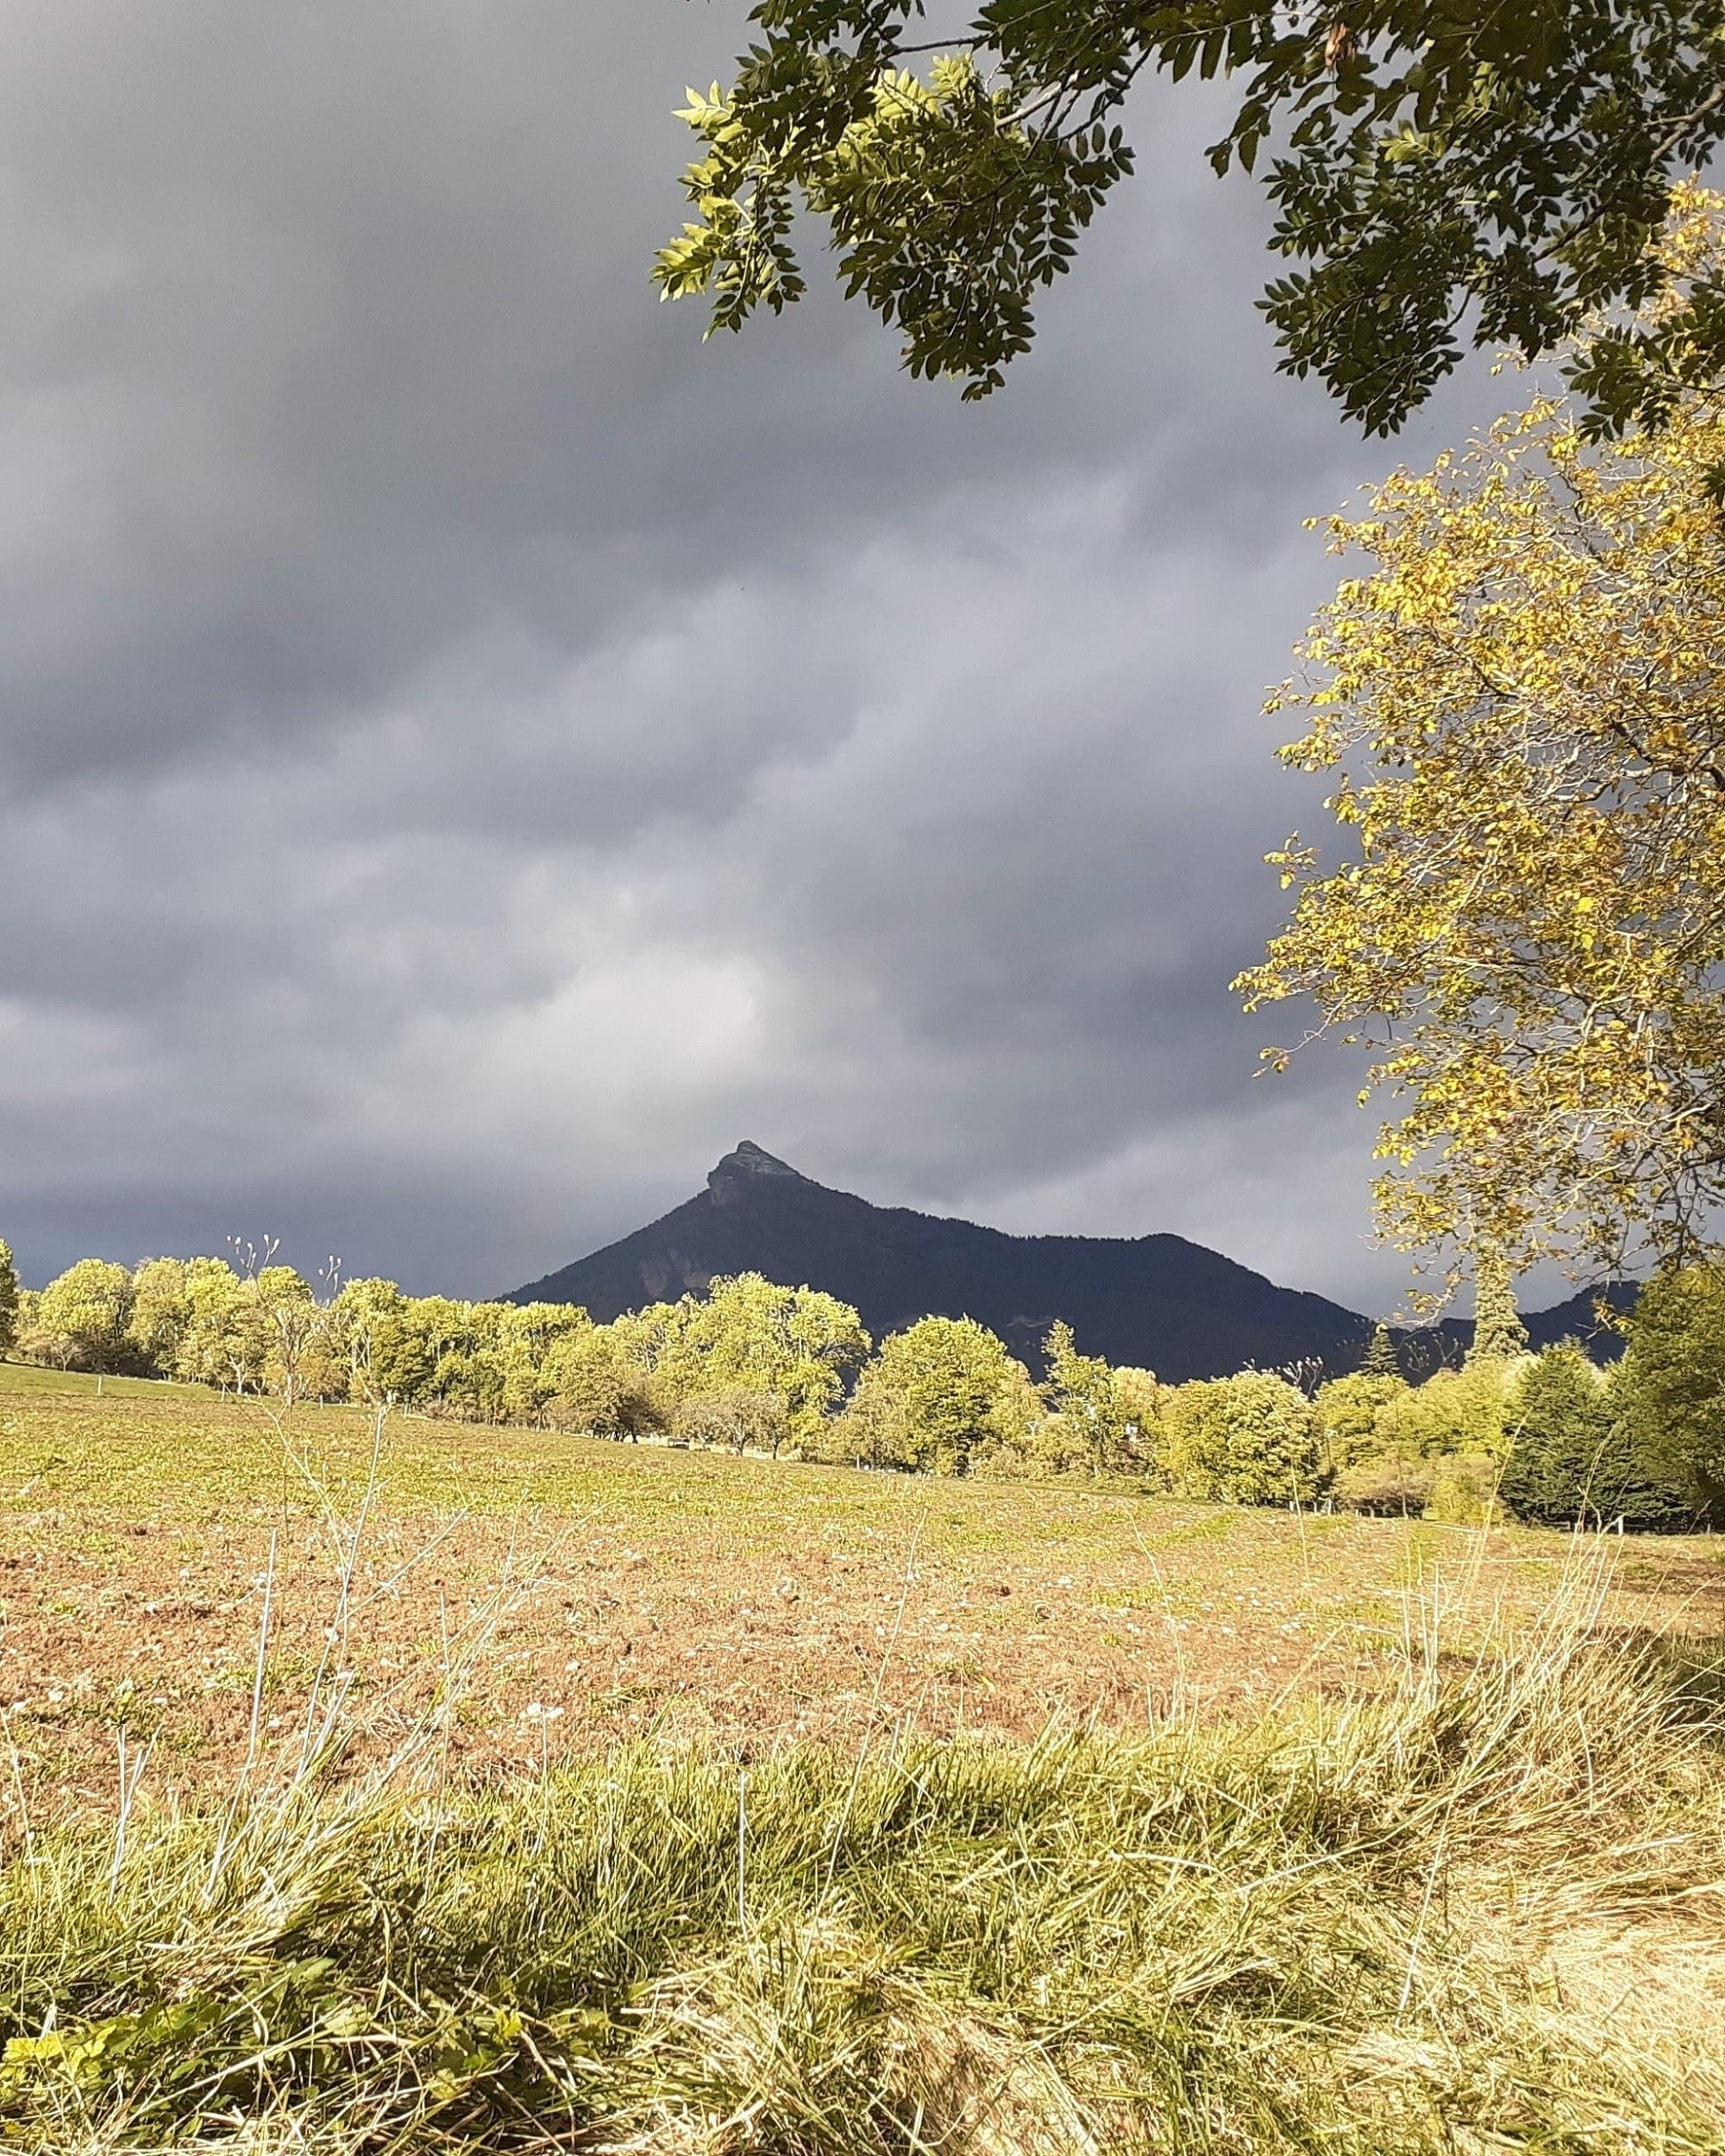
554	1592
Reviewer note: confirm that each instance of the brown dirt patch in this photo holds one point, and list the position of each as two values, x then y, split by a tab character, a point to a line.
575	1592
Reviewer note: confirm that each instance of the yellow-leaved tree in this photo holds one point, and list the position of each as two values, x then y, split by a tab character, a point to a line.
1523	700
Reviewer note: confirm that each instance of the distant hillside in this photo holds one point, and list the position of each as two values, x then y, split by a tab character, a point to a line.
1159	1302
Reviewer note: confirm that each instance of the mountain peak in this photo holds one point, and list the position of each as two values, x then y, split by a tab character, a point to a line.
743	1165
1159	1302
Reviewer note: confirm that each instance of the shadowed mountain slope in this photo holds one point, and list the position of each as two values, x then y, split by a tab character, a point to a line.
1158	1301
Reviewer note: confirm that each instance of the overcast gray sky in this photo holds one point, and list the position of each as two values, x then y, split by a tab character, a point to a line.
470	752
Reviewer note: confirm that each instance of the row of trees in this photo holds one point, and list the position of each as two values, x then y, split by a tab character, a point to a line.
789	1353
748	1364
1550	1438
751	1365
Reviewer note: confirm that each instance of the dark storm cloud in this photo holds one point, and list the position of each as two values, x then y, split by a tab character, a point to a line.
471	753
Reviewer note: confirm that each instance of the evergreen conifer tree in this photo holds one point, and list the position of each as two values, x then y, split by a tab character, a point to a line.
1498	1332
1574	1460
1670	1388
8	1298
1558	1431
1381	1358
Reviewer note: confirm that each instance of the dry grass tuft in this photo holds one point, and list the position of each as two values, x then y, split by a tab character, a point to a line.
1472	1905
1482	1911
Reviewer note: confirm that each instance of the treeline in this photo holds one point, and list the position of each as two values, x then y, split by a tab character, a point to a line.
752	1366
748	1362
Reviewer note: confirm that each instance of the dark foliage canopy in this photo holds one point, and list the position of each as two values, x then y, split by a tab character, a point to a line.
1573	1460
1671	1390
1441	173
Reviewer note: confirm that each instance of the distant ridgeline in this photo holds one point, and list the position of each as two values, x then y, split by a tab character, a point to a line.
1157	1301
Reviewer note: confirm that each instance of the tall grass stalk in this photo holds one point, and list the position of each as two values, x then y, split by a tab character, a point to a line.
1482	1912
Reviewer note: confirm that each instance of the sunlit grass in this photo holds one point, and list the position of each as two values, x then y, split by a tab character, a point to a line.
31	1377
738	1599
1481	1912
1472	1904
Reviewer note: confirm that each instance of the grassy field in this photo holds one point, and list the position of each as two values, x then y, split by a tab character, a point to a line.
27	1377
423	1788
587	1592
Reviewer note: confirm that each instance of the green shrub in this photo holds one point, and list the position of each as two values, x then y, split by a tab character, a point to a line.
1050	1446
1463	1490
1083	1412
520	1351
748	1331
940	1392
1140	1394
596	1389
1247	1440
1499	1335
372	1330
27	1323
8	1298
85	1312
1390	1487
1572	1458
1096	1421
162	1307
1558	1430
737	1419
